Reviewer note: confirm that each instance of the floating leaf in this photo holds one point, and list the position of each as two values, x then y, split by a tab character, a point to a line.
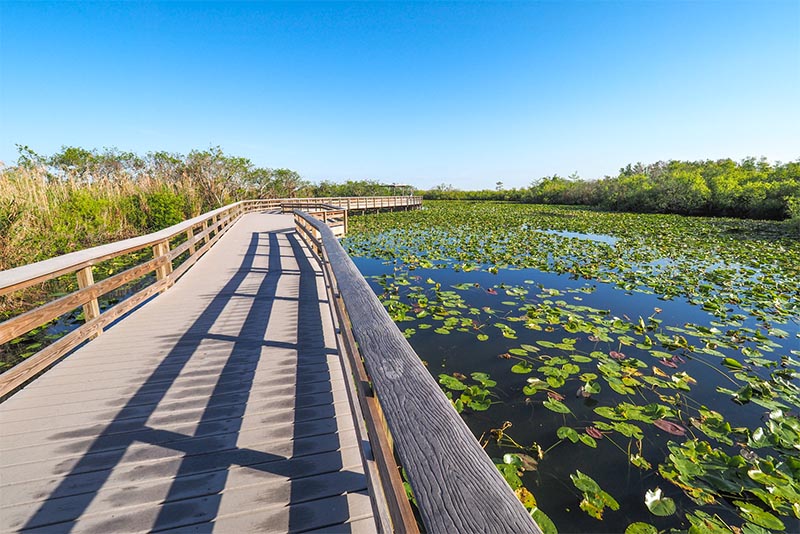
525	497
566	432
731	363
759	516
545	523
584	483
593	432
592	388
556	406
527	462
534	385
657	504
483	379
670	427
522	368
594	499
641	528
451	382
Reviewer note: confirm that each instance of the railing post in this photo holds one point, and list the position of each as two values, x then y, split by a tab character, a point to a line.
189	237
162	249
91	309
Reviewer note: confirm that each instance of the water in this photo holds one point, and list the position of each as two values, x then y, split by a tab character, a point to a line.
460	352
597	238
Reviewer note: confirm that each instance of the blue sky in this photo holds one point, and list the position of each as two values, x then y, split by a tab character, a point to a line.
425	93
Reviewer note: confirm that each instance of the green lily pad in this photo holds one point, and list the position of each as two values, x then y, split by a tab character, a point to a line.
658	504
641	528
556	406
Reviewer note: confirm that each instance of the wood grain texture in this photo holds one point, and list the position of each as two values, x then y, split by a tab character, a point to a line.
457	486
389	479
91	309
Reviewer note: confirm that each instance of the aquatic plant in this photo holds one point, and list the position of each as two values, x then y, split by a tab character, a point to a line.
666	344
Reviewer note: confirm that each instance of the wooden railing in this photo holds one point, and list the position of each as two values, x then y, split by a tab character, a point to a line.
334	217
198	235
348	203
456	485
174	250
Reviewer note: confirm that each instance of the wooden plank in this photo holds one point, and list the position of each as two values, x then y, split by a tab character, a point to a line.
29	369
161	250
208	423
190	240
457	486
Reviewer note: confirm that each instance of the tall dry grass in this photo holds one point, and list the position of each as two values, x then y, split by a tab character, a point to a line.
79	198
41	217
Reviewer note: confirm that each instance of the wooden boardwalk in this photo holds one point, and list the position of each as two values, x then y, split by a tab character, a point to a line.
220	405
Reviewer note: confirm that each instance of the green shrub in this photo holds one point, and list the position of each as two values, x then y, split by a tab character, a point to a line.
163	208
793	209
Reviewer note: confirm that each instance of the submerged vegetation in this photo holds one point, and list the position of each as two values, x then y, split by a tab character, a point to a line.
668	346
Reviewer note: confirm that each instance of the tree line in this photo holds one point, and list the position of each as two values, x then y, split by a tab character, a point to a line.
76	198
751	188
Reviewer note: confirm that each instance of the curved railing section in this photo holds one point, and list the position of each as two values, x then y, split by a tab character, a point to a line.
456	485
174	251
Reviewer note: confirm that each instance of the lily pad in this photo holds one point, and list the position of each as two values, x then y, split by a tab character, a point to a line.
658	504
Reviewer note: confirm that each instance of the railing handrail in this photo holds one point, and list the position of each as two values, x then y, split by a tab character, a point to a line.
26	275
169	247
456	484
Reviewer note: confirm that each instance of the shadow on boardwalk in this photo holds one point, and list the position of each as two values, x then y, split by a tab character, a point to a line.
193	499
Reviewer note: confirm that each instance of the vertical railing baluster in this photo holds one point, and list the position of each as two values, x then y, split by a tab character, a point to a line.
91	309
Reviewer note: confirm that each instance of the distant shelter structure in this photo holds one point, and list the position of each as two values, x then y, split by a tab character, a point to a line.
401	189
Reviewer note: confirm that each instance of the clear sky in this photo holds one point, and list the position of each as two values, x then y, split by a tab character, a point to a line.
425	93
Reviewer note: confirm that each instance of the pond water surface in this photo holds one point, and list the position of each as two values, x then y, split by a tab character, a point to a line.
701	366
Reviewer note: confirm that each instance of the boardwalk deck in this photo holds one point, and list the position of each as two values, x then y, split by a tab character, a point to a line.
219	405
